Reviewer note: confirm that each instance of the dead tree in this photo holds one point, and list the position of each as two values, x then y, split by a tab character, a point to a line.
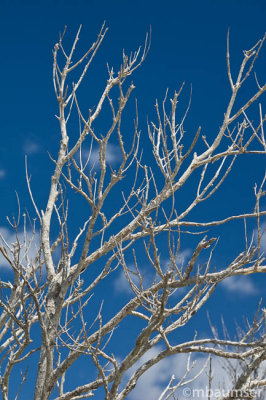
126	211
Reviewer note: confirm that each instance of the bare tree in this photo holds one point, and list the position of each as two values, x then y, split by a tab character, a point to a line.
49	318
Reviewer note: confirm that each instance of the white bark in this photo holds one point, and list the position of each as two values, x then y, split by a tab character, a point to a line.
56	304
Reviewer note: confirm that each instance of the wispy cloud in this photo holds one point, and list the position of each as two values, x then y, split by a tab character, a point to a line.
240	284
183	256
113	156
31	146
152	383
28	243
2	173
122	285
263	239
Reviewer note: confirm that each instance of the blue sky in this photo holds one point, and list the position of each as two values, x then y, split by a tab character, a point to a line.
188	44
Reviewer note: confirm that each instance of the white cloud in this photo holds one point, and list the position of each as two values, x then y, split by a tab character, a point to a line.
2	173
113	156
154	381
29	245
263	240
122	285
263	237
240	284
150	384
31	146
182	257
